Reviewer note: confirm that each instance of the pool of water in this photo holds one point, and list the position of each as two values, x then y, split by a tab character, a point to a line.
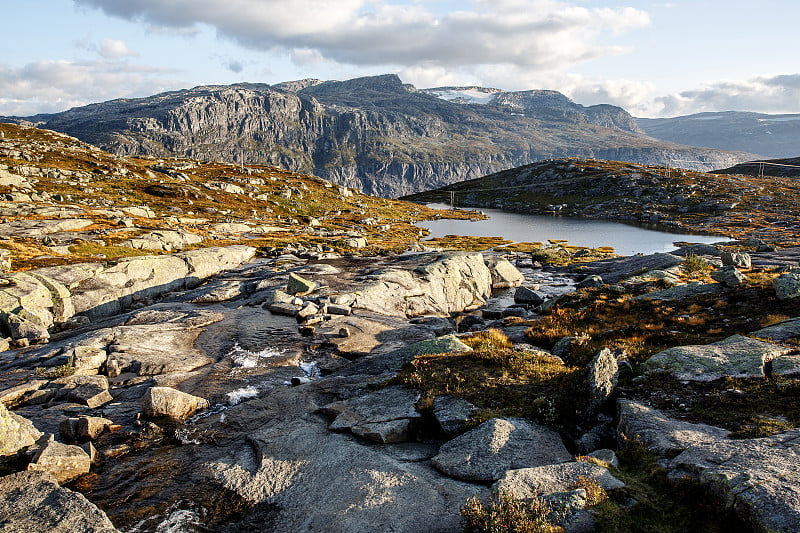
626	239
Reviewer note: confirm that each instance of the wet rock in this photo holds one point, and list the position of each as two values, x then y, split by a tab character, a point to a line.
166	401
384	416
528	483
16	432
33	501
488	451
285	309
452	414
91	427
758	478
736	259
787	286
527	296
661	434
64	461
299	286
504	274
729	276
736	356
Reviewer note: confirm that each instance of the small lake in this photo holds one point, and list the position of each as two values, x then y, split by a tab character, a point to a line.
625	238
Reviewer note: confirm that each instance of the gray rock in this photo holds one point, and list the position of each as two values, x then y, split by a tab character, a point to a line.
758	478
606	456
91	427
736	259
64	461
342	310
504	274
736	356
729	276
524	295
603	375
592	281
384	416
562	346
16	432
661	434
528	483
782	331
285	309
163	240
681	292
34	502
166	401
497	445
299	286
452	414
355	242
618	268
787	285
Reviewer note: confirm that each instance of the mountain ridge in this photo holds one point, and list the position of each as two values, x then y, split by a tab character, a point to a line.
376	133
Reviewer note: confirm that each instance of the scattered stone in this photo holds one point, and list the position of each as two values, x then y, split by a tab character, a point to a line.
298	286
344	332
308	310
488	451
33	501
16	432
66	462
504	274
283	309
524	295
736	356
342	310
729	276
661	434
452	413
91	427
166	401
592	281
682	292
355	242
787	285
736	259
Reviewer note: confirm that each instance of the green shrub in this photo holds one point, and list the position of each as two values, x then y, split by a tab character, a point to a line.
505	514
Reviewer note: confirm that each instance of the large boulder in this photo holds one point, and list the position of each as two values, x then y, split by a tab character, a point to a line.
16	432
527	483
34	502
729	276
736	356
452	414
504	274
736	259
64	461
497	445
782	331
169	402
661	434
758	478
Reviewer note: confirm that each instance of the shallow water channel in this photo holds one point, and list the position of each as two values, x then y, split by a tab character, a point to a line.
626	239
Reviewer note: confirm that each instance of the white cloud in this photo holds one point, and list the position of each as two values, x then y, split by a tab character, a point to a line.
115	48
767	94
534	34
51	86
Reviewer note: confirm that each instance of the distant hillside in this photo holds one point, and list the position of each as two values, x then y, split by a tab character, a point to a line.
375	134
694	202
770	135
789	168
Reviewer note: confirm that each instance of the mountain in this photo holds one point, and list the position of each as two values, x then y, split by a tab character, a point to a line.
787	168
770	135
375	133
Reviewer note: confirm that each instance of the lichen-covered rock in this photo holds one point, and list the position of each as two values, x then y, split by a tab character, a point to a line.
729	276
736	259
452	414
384	416
603	374
488	451
34	502
661	434
681	292
526	295
782	331
298	286
736	356
787	285
527	483
166	401
16	432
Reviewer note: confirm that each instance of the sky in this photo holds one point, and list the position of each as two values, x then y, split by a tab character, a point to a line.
654	58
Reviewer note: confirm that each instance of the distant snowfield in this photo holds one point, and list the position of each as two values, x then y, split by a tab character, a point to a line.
467	95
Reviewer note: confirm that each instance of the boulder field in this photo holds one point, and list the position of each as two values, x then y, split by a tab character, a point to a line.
231	392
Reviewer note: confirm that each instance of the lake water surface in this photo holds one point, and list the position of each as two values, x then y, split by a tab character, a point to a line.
625	238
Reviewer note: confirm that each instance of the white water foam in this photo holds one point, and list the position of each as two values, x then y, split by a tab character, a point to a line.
235	397
249	359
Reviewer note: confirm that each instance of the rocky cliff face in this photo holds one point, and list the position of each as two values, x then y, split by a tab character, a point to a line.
376	133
